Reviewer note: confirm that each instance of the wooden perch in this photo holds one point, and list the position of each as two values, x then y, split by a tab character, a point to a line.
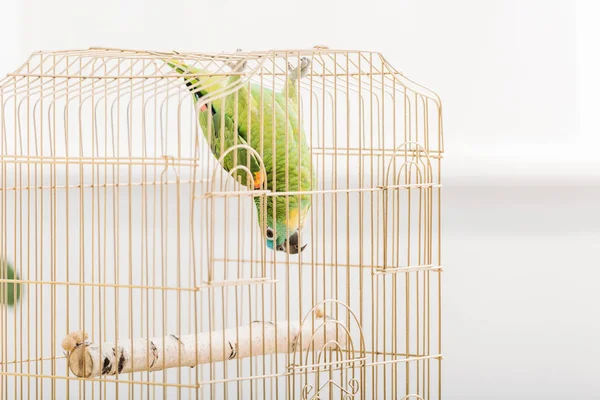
86	360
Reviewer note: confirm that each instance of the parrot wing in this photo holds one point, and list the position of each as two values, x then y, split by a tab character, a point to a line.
223	135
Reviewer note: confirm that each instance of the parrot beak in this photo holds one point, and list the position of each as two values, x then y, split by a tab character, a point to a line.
291	245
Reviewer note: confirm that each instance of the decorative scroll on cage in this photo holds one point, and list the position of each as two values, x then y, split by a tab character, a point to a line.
134	235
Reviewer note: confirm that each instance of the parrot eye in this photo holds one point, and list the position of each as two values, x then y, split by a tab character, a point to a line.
270	233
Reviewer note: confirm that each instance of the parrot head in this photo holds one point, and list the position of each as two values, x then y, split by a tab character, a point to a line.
281	232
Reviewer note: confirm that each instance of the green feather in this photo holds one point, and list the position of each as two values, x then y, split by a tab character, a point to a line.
9	292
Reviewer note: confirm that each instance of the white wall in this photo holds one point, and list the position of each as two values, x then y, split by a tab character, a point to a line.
588	79
522	219
505	69
9	49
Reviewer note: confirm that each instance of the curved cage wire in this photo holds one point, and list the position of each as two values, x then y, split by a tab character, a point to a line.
138	194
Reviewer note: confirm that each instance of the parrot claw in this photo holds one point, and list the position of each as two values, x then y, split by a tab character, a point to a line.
304	64
237	64
302	70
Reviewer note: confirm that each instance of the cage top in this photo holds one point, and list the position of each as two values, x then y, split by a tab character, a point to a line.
120	64
262	57
260	54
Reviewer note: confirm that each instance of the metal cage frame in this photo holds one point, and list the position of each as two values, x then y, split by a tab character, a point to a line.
142	264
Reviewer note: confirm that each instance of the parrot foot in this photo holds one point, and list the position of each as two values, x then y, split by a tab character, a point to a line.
237	64
302	70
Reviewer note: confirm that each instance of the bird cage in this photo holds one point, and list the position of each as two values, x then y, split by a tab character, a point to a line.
241	225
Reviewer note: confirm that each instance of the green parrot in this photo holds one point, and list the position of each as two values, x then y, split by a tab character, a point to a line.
224	126
9	291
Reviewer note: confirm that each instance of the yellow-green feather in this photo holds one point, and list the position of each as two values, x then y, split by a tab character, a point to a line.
10	292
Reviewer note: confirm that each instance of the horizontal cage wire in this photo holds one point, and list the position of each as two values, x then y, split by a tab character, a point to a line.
232	225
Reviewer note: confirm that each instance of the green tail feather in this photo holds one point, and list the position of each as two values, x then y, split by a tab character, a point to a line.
179	67
9	292
198	86
191	82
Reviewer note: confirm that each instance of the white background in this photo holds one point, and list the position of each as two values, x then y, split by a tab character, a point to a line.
522	199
